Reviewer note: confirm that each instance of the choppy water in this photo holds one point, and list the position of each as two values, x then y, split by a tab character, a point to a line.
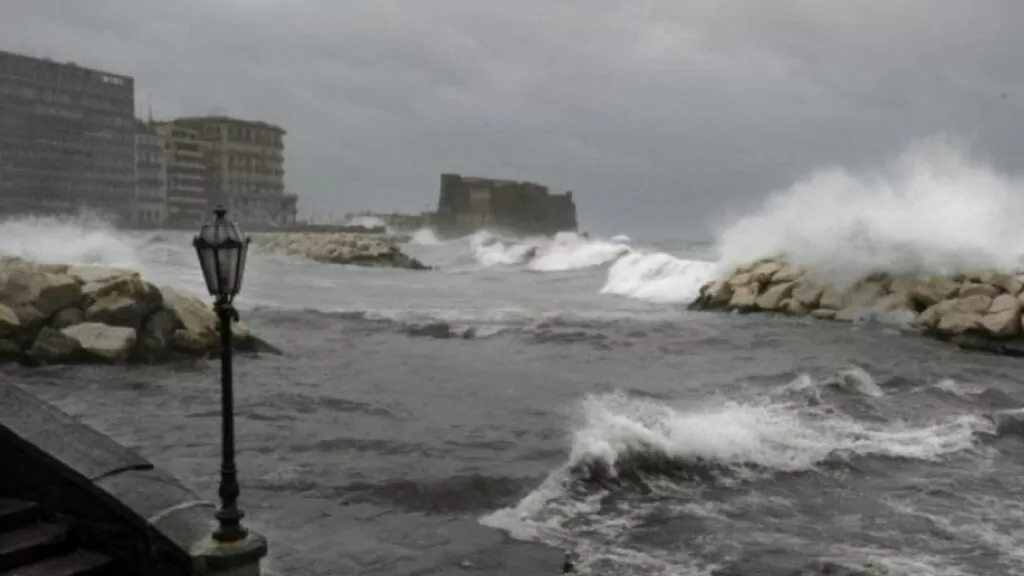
649	439
589	411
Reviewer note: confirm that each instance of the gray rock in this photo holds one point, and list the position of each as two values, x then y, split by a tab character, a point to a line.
67	317
45	291
974	304
156	335
103	342
9	350
824	313
116	310
52	346
9	322
98	274
744	297
957	322
831	299
773	297
1003	324
973	289
198	322
807	294
717	295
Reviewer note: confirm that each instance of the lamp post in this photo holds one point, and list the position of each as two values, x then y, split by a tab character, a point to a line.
222	251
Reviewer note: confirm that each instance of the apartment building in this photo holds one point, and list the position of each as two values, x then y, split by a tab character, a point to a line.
149	209
67	138
188	202
245	169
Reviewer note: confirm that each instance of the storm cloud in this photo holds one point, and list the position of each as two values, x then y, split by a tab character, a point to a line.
663	116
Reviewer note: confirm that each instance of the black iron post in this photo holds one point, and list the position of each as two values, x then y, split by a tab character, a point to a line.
229	516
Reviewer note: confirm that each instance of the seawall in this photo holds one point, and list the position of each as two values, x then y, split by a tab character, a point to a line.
113	501
980	310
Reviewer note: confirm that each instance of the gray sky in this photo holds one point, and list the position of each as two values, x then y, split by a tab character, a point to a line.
664	116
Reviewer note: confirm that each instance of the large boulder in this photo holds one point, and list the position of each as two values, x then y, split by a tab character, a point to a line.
959	322
787	273
9	321
974	304
764	271
773	297
744	297
45	291
807	294
67	317
930	291
929	319
52	346
832	299
98	274
860	300
112	344
718	294
195	322
156	337
1003	318
123	299
977	288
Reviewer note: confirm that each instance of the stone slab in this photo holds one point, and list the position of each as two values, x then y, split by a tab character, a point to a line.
149	494
62	438
187	524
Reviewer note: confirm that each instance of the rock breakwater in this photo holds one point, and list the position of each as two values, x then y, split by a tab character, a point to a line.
60	314
979	310
339	248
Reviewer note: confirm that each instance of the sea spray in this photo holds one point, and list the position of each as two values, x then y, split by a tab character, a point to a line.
657	277
563	252
82	239
567	251
425	237
741	445
934	210
771	436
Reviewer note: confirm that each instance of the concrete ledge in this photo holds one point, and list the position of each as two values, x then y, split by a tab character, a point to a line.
121	503
61	439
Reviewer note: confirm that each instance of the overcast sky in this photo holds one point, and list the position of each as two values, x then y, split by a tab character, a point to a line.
664	116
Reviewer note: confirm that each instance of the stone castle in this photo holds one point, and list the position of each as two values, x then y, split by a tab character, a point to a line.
468	204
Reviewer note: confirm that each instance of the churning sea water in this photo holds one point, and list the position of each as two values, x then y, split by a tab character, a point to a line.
577	404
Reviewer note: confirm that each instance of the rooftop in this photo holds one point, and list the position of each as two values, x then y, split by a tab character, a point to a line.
229	120
69	64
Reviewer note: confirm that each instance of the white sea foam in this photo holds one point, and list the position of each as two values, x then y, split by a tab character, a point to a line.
657	277
777	437
565	251
425	237
632	272
934	209
68	240
568	251
773	436
366	222
489	250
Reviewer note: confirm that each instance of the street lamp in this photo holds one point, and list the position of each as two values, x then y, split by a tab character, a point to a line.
222	251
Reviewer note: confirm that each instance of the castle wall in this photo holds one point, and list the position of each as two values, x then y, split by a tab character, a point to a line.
468	204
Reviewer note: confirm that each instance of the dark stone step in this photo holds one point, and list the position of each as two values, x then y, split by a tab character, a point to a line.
17	513
79	563
35	542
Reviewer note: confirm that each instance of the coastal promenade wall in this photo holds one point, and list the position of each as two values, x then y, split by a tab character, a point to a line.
115	501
